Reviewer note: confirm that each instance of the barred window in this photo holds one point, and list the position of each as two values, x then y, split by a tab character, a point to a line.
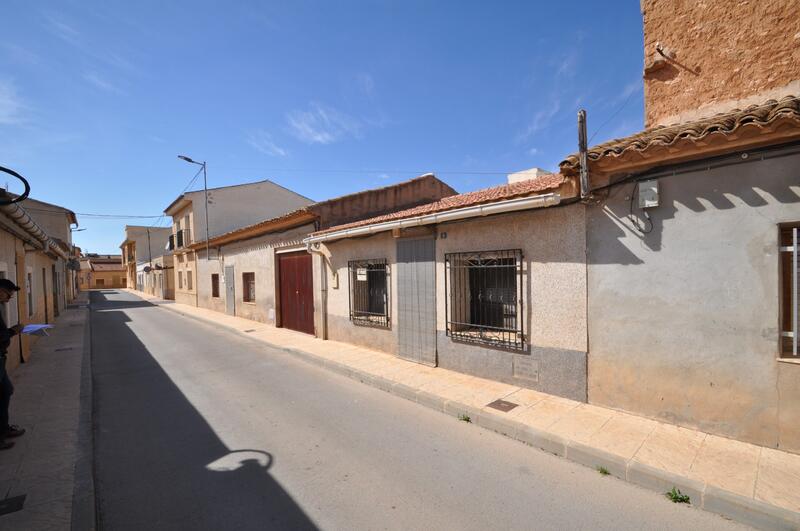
215	285
484	298
369	293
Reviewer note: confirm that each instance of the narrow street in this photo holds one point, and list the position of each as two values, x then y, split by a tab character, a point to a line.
200	428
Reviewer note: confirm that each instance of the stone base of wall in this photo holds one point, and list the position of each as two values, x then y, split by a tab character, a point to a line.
340	328
549	370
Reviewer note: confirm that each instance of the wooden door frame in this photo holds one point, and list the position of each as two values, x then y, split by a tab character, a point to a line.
279	306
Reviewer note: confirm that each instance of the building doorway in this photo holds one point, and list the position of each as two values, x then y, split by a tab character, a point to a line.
296	291
416	300
230	291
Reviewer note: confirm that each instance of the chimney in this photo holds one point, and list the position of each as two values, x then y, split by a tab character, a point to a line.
704	58
526	175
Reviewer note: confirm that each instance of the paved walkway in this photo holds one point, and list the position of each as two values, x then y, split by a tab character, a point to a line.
50	466
755	485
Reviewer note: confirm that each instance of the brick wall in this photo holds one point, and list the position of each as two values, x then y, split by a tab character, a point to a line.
724	54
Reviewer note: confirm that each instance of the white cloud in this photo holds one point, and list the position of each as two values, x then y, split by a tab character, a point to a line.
60	28
100	82
384	176
365	84
566	67
20	55
533	151
262	141
322	124
11	105
540	120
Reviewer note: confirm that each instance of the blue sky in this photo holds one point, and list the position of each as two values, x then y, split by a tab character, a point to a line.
97	99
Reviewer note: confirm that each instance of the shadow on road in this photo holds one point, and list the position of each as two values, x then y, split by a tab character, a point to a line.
159	465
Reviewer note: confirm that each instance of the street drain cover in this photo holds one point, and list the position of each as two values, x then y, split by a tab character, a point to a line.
12	505
503	405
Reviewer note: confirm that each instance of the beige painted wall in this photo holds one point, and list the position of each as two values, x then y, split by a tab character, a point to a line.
184	263
684	321
554	291
257	256
340	328
554	272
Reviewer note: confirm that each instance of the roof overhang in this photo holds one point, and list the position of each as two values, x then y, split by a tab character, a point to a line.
475	211
294	219
775	122
177	205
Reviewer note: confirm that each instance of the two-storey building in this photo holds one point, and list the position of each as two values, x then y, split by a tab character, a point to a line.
229	208
146	256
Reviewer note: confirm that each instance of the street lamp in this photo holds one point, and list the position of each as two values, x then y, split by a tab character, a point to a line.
205	188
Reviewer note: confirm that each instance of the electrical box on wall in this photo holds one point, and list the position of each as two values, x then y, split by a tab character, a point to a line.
648	194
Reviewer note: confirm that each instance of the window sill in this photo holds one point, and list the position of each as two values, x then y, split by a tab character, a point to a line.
251	303
795	361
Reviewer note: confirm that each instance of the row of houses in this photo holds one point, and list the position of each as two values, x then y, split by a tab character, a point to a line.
655	273
101	271
37	254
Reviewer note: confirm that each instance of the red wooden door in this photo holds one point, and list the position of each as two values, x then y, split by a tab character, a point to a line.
296	291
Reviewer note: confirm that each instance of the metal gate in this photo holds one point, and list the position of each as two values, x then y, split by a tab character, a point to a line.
297	295
416	300
230	291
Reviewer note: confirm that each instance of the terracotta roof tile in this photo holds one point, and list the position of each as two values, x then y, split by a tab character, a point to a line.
487	195
724	124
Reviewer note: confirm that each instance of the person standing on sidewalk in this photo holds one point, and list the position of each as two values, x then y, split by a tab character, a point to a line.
7	290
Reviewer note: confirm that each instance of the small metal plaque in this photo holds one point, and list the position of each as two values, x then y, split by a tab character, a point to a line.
361	274
503	405
12	505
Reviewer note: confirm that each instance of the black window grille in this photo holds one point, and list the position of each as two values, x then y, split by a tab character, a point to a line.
369	292
484	298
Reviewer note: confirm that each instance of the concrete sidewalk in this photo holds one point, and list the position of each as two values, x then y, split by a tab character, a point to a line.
49	471
751	484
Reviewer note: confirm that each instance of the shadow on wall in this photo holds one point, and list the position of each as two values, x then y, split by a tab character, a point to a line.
158	463
704	190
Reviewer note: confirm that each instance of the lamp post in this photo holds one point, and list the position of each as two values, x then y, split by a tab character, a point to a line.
205	188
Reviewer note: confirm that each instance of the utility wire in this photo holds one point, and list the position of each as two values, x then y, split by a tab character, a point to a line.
614	115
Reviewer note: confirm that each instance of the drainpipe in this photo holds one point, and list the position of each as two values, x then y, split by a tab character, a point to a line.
323	286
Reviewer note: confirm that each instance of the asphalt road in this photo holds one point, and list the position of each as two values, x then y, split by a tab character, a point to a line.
197	427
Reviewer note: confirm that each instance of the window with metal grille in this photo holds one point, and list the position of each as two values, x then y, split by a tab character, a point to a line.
215	285
484	298
790	284
249	287
180	279
369	292
189	280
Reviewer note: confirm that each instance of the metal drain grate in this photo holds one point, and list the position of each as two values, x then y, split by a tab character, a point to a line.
503	405
12	505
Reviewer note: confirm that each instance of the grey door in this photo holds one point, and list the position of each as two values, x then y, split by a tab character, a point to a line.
230	291
416	300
